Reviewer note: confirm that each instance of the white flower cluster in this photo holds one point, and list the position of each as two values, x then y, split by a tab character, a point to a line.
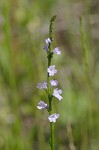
56	92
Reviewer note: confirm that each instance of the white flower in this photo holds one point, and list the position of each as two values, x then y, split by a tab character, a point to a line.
48	41
53	82
42	85
57	93
51	70
53	117
41	105
57	51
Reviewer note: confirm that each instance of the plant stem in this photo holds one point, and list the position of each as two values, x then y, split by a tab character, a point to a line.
50	107
52	135
49	56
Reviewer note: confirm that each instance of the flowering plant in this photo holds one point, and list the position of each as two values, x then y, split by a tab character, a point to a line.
50	83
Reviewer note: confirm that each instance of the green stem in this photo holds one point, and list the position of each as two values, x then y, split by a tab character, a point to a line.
50	108
49	56
52	135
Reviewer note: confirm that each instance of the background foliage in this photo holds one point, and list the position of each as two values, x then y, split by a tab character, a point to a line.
24	25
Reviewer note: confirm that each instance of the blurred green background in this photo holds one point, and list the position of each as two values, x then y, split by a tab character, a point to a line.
24	25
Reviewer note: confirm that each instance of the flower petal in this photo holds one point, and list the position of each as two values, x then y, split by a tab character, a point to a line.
57	51
45	48
41	105
42	85
53	82
53	117
57	93
51	70
48	41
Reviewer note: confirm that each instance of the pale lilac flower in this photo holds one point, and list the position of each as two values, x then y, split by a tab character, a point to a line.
53	82
45	48
48	41
57	51
57	93
42	85
41	105
53	117
51	70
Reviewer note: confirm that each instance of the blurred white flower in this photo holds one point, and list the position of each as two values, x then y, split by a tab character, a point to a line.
48	41
53	117
57	93
57	51
42	85
53	82
51	70
41	105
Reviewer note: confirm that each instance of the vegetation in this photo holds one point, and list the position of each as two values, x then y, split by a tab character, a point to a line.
24	25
